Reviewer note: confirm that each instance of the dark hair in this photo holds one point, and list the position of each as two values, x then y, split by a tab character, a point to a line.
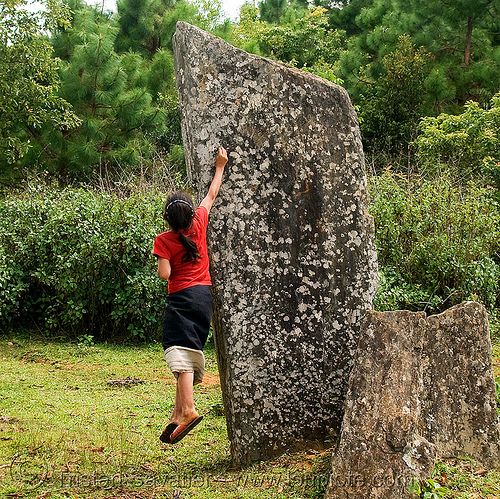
178	212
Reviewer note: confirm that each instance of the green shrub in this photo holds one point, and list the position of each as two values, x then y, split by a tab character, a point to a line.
468	143
437	244
80	262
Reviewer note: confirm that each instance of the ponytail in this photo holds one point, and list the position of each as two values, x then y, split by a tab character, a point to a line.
179	214
192	253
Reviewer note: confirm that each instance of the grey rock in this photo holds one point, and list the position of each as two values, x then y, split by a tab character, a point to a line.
420	388
459	398
294	262
381	446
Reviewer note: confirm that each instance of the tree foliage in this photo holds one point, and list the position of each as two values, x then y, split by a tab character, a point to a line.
79	262
438	244
461	39
468	143
462	36
29	79
110	94
147	26
108	99
307	43
392	105
282	11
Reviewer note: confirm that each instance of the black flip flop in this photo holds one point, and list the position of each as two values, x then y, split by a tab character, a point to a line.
186	430
165	436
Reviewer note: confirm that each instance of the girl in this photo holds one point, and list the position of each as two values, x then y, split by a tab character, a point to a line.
183	261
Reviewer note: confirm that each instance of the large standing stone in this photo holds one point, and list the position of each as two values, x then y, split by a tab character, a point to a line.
292	244
420	387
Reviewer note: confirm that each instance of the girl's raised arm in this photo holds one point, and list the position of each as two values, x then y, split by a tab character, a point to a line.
220	163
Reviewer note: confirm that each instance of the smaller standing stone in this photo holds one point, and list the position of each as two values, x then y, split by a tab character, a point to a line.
381	445
459	399
420	388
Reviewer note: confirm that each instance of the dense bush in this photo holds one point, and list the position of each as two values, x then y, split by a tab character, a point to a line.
80	262
468	145
437	244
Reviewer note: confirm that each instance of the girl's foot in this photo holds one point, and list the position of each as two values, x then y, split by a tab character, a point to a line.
185	418
182	418
183	429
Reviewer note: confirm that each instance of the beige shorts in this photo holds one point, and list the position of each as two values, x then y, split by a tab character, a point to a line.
182	359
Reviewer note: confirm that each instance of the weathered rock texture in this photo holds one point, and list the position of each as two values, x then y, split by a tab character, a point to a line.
292	245
420	388
381	444
459	398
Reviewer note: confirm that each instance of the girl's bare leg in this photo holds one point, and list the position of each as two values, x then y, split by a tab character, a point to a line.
184	411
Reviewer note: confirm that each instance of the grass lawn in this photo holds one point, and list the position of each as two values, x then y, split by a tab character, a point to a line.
65	431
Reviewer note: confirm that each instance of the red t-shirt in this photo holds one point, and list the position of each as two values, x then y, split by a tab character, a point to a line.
186	274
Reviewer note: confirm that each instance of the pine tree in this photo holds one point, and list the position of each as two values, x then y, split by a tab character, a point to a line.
462	36
147	26
272	11
109	93
464	62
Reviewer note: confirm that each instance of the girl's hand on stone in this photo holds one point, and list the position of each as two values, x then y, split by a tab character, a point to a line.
221	159
220	163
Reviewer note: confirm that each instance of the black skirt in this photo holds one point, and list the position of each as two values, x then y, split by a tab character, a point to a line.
187	318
